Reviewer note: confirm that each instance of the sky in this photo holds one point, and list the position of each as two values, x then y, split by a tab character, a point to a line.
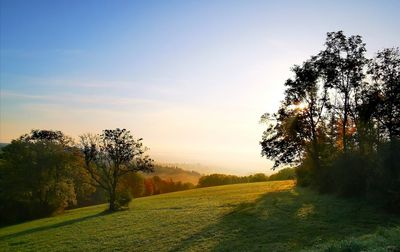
192	78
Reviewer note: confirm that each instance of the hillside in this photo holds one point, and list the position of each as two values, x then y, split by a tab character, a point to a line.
175	173
266	216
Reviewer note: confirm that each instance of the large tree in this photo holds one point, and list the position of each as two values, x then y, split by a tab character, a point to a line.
40	173
340	122
112	155
294	129
307	94
343	63
385	73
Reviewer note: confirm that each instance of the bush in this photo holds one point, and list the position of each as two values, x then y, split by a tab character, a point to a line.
284	174
350	174
303	175
124	197
386	181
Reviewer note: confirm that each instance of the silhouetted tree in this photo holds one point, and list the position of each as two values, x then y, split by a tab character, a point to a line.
341	121
295	128
112	155
281	141
385	72
40	173
50	136
342	63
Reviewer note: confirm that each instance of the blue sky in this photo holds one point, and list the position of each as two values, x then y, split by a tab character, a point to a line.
190	77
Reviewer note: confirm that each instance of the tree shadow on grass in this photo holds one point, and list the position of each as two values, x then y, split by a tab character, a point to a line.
52	226
288	221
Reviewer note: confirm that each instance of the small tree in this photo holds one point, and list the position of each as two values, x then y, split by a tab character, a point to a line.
112	155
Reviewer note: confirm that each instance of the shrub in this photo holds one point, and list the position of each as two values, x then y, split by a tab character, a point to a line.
284	174
124	197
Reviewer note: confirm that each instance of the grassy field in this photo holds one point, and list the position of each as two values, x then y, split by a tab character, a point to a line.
267	216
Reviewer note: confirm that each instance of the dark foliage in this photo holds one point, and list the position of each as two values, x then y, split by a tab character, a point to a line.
283	174
220	179
344	138
40	174
112	155
223	179
280	141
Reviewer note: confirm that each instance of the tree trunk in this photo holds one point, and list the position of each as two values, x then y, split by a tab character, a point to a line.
113	205
315	151
346	101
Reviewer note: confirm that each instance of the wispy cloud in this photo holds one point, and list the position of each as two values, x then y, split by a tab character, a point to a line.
80	99
21	53
8	79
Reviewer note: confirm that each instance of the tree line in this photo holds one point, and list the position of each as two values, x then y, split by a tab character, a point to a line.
223	179
339	122
137	185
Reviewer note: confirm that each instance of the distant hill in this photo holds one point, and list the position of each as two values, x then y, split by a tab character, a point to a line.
175	173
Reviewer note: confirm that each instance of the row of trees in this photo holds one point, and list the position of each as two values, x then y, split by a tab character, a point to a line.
223	179
156	185
44	172
136	185
339	122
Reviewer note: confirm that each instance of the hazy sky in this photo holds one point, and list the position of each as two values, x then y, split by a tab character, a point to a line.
190	77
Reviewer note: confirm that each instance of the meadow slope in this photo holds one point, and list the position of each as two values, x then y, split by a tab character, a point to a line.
266	216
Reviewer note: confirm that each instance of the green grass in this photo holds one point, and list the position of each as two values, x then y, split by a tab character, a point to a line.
267	216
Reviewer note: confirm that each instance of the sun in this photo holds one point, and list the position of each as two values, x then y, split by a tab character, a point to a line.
298	106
